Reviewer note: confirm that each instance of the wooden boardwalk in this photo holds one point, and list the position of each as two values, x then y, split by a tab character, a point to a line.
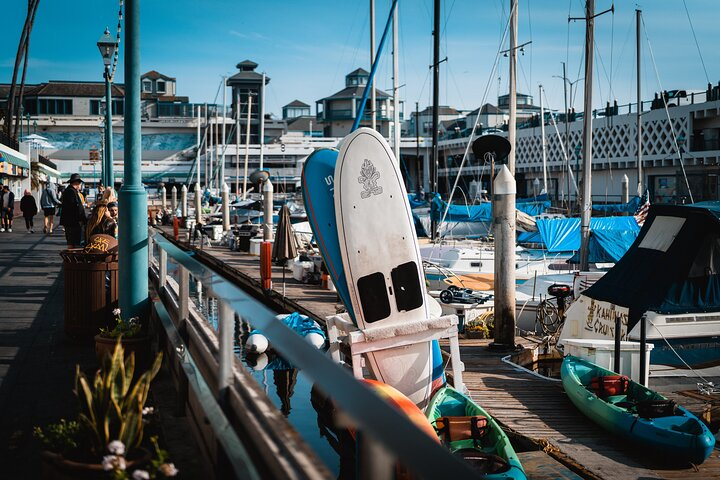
532	407
539	409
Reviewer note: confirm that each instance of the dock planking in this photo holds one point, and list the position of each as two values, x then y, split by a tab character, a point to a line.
540	410
532	407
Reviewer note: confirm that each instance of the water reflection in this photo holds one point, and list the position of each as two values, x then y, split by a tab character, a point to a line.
292	389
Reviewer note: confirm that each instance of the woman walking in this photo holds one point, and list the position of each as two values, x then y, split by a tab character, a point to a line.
48	202
29	209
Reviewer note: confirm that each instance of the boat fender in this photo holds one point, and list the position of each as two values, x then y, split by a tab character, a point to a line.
453	429
315	339
256	343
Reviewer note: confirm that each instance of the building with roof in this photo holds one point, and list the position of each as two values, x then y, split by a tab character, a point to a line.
295	109
337	112
247	91
69	118
490	117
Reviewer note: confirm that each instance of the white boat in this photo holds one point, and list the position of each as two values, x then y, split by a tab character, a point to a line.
671	278
466	265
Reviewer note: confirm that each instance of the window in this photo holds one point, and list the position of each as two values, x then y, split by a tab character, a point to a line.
51	106
147	86
160	86
97	107
662	233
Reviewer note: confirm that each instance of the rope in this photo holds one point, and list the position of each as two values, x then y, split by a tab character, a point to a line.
477	119
697	45
667	113
705	380
117	47
564	149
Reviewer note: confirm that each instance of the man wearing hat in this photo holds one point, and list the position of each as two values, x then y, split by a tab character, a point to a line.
73	211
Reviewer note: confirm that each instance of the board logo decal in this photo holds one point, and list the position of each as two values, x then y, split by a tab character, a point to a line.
369	177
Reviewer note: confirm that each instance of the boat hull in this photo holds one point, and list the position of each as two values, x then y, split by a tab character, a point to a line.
680	437
448	402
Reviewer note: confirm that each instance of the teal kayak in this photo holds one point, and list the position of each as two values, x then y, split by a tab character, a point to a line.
467	430
627	408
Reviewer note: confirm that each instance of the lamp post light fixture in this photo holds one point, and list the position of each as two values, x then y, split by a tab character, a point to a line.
107	46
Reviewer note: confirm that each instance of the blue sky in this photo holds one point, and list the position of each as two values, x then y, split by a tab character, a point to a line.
307	47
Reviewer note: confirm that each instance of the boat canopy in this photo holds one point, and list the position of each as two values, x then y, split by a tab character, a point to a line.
672	267
610	237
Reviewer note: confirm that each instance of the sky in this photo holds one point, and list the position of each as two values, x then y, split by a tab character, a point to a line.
307	47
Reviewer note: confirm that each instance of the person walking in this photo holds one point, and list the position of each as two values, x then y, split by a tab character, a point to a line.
48	202
73	211
7	208
28	207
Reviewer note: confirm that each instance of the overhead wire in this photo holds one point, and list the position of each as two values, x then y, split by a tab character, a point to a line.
697	45
477	119
667	113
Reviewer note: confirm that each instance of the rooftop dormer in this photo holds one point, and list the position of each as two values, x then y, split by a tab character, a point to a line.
357	78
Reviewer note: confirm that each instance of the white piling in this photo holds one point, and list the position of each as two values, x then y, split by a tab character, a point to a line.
183	201
226	207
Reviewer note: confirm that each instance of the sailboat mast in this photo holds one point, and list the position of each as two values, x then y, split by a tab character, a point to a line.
638	19
587	136
513	86
373	98
436	100
224	140
542	135
567	134
261	141
247	146
396	89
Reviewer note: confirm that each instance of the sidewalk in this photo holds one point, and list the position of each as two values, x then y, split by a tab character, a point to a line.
37	363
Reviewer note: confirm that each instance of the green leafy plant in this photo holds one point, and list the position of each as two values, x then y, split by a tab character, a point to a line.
482	325
123	328
61	437
111	407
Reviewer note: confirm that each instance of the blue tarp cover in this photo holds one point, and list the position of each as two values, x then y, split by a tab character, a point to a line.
416	200
612	235
630	207
483	212
529	237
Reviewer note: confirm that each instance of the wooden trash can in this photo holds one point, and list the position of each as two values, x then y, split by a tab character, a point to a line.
91	291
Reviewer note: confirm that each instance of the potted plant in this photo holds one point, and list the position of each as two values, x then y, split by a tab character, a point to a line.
130	333
106	439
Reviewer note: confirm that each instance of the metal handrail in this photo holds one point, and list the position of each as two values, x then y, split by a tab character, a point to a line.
238	457
369	413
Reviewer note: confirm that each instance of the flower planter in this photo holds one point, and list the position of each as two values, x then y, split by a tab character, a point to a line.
476	334
57	467
140	346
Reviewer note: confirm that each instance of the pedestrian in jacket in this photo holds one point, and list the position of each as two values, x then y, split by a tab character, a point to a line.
29	209
73	212
7	208
48	202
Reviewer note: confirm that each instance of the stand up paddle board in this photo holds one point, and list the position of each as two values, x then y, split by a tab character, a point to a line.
317	181
318	185
381	257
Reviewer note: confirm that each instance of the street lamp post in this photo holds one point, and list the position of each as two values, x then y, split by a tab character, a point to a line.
132	198
107	46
